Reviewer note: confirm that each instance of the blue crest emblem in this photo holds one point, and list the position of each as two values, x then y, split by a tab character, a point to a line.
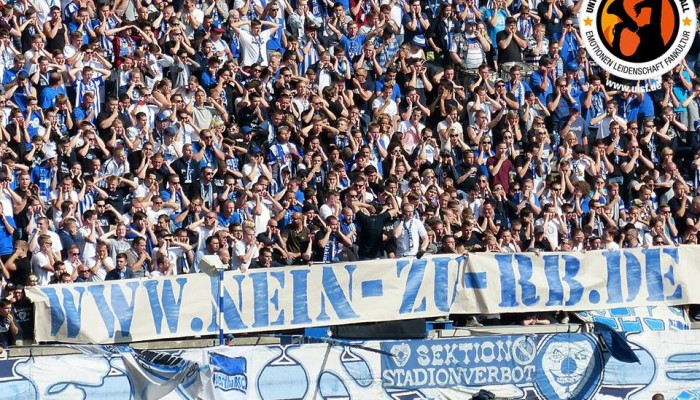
229	373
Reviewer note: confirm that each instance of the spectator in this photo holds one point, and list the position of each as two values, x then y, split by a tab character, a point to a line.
245	251
8	327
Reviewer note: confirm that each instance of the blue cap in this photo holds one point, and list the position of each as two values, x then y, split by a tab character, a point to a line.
255	150
246	129
217	27
160	117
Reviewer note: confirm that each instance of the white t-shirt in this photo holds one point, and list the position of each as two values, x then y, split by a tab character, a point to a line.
87	249
265	215
391	109
41	260
203	233
252	47
153	215
56	245
408	244
240	249
101	271
72	196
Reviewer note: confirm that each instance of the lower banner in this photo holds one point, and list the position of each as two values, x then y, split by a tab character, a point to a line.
560	366
370	291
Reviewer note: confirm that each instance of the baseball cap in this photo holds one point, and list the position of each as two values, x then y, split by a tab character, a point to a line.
418	40
160	117
217	27
246	129
255	150
539	229
171	131
22	74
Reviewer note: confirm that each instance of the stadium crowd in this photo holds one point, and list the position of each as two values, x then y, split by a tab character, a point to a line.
138	137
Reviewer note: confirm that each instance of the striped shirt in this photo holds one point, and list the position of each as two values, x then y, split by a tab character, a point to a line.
93	86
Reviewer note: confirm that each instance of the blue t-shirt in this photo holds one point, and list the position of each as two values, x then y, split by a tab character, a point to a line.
47	98
6	246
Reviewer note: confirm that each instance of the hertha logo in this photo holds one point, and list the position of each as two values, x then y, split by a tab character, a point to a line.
638	39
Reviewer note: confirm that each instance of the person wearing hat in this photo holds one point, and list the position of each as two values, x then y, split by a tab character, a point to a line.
573	78
418	43
540	241
468	50
21	91
220	48
171	147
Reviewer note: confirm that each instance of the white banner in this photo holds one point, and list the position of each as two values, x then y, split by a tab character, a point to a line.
259	300
382	290
502	282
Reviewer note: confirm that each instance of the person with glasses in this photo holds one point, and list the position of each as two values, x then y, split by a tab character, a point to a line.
44	227
559	103
73	261
297	238
84	275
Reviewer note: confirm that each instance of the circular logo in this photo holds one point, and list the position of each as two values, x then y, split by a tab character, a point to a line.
638	39
569	367
524	350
